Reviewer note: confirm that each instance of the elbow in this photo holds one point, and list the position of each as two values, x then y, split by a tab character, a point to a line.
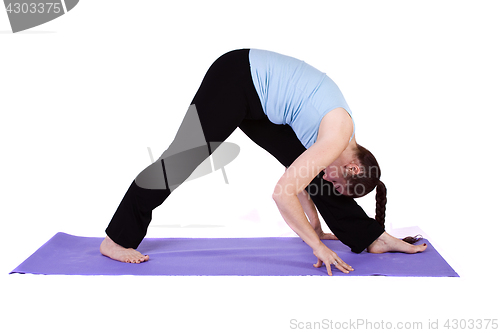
276	196
283	193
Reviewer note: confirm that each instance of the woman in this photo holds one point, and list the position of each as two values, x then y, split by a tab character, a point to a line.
298	115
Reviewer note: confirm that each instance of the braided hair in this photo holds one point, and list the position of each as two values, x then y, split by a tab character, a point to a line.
381	202
362	183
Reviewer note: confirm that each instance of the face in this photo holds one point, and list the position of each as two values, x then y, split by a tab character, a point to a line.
337	171
334	173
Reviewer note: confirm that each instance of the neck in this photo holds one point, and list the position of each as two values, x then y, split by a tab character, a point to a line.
353	144
349	154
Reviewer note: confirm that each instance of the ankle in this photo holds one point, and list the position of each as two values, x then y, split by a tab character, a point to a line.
379	245
375	246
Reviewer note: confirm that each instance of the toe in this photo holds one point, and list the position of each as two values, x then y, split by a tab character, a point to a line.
419	248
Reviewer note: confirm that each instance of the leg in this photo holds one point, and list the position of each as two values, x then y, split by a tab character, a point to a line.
345	218
217	109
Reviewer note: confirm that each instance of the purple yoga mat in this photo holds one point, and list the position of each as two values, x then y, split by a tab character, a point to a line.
275	256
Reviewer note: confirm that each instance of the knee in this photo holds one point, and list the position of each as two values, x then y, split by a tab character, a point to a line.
152	178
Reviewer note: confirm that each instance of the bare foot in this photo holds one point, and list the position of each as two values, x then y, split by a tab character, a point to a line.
117	252
388	243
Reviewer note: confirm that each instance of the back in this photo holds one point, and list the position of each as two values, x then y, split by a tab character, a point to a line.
294	93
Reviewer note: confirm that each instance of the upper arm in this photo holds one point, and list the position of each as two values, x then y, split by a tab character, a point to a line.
333	137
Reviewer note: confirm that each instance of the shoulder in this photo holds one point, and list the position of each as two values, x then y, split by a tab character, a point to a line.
336	125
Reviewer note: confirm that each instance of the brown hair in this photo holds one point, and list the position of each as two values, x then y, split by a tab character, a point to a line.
358	185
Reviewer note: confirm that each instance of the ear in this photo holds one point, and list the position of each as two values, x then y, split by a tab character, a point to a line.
352	169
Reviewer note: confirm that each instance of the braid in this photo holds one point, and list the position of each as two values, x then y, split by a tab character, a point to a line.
381	198
369	180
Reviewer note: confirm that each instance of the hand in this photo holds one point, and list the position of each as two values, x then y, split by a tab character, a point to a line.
322	235
327	256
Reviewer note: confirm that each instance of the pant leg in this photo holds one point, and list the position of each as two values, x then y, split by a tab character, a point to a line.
226	96
345	218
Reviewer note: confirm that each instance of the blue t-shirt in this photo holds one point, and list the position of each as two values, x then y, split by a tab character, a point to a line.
294	93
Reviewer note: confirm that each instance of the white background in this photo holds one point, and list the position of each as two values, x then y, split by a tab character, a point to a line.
83	96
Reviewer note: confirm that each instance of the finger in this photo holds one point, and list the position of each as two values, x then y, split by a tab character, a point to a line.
341	262
329	269
340	267
329	236
343	267
318	264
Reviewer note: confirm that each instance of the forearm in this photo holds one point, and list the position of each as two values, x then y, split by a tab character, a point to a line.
293	214
309	209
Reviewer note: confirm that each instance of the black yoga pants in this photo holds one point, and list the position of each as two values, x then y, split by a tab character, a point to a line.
226	100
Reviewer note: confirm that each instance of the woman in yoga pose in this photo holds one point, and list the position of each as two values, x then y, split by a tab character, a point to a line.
297	114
